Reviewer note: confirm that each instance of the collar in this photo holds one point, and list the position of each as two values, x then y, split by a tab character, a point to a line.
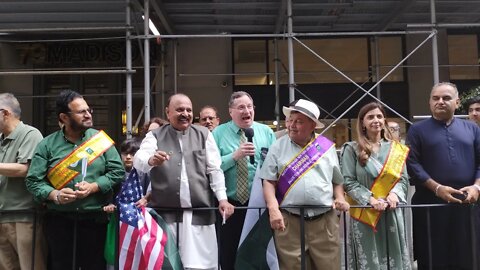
62	130
14	134
443	123
235	129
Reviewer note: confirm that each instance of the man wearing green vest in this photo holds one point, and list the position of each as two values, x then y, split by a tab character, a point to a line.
17	145
73	172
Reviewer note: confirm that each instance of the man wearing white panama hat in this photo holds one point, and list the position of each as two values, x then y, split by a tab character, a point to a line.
303	169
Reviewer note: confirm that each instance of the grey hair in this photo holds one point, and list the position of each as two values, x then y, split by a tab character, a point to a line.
447	84
238	94
10	101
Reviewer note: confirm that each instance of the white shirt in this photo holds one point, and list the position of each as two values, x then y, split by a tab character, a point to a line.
197	243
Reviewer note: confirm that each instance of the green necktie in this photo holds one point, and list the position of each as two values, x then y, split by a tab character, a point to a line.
242	174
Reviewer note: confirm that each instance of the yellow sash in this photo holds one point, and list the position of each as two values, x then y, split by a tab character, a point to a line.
65	170
385	181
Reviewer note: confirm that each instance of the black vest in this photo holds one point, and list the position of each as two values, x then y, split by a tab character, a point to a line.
165	179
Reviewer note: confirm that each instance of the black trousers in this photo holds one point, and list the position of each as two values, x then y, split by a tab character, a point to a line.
230	236
90	235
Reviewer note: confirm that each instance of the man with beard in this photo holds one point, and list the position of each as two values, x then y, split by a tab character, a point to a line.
209	118
237	156
73	172
444	166
184	166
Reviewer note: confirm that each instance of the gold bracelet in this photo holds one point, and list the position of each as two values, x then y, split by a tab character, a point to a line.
436	189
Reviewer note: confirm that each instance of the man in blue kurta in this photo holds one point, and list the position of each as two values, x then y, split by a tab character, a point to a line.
74	200
444	164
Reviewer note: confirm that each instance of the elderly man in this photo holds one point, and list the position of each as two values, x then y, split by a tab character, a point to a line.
209	118
240	159
184	166
303	169
394	128
73	172
473	106
444	165
17	145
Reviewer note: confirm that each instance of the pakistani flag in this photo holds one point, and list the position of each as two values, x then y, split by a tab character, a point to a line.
80	166
172	260
256	249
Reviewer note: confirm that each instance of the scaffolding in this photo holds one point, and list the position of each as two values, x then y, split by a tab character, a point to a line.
289	35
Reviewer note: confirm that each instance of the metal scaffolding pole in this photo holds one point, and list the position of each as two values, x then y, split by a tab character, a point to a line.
66	72
128	77
61	29
433	20
146	61
175	72
291	70
286	35
367	92
377	66
163	53
277	85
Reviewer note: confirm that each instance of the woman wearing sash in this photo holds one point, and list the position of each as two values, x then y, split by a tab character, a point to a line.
375	175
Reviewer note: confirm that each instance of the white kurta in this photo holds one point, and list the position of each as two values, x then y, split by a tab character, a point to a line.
197	243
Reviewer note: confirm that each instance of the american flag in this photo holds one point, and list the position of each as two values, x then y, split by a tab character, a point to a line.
142	240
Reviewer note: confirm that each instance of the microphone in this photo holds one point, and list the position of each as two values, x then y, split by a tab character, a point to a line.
249	134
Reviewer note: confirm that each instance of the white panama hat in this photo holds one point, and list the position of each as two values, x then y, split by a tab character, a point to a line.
305	107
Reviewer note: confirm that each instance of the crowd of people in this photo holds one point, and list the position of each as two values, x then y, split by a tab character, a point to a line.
71	176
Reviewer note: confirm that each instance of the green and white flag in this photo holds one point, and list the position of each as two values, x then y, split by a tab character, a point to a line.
256	249
80	166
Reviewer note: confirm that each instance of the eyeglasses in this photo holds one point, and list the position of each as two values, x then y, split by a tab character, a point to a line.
393	129
243	107
209	118
83	112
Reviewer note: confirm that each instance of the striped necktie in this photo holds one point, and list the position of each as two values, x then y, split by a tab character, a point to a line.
242	174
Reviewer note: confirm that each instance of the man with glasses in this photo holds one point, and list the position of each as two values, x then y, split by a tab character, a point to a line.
73	172
236	151
208	117
394	128
17	145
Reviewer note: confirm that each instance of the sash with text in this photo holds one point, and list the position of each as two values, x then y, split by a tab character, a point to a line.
301	164
67	169
383	184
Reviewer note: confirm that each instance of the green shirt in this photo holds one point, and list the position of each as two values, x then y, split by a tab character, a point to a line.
228	140
106	170
17	147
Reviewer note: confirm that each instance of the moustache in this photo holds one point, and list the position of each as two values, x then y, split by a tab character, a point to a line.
182	117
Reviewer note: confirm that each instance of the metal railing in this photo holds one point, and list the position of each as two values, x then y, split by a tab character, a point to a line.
37	215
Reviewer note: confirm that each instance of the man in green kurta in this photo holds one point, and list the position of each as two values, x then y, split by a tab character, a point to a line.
77	205
17	145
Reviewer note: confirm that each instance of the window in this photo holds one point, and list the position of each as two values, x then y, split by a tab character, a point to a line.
250	61
389	55
349	55
463	52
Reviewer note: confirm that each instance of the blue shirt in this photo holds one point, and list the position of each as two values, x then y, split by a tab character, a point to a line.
228	140
450	155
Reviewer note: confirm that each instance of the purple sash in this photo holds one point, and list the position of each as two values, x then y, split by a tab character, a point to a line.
301	164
